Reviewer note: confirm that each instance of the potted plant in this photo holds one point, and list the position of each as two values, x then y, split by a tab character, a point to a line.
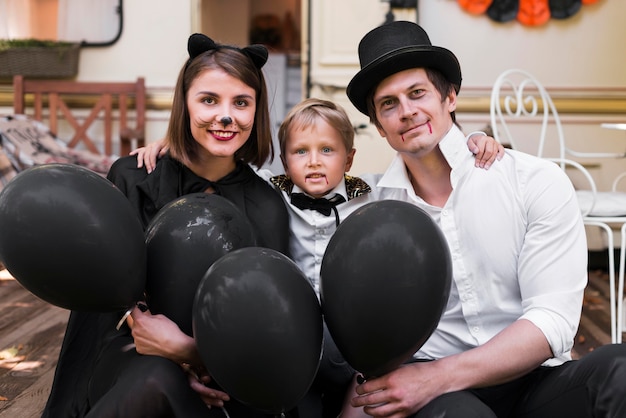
38	58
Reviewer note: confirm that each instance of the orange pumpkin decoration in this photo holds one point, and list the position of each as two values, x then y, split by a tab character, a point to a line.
533	12
475	6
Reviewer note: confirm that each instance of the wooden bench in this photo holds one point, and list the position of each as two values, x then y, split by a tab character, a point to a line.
55	99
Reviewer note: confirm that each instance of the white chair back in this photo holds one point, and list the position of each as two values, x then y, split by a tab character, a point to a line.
517	95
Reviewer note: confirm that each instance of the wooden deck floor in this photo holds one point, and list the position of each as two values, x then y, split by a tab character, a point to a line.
31	332
594	329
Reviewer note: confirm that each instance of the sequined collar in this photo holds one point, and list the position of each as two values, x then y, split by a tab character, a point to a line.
355	186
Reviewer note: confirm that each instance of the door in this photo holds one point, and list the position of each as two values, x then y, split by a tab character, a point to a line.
273	23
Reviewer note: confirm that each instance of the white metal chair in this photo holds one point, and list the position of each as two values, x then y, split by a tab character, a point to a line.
518	97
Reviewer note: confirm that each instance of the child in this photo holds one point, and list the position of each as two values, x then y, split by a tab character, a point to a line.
316	148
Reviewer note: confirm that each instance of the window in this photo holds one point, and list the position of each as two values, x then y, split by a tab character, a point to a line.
92	22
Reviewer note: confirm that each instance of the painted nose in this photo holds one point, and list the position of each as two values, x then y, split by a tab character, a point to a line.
226	120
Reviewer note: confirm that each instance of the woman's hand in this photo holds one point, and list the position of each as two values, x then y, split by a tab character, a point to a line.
198	380
149	154
157	335
485	149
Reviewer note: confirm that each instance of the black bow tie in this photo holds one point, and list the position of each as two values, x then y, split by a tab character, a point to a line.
323	206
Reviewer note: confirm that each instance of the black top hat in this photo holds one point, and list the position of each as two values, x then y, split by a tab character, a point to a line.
395	47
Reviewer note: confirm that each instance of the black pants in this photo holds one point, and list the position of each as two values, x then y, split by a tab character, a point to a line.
594	386
330	385
126	384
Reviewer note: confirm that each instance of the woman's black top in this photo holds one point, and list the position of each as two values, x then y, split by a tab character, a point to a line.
88	332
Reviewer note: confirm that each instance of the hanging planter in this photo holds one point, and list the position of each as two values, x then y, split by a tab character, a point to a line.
38	59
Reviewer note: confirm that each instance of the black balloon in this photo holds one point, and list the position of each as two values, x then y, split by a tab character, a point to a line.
503	10
70	237
562	9
385	281
258	326
183	240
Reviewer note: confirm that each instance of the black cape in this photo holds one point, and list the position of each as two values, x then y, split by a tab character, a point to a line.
88	332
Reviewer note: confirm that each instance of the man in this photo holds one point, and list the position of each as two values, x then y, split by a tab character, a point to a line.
502	347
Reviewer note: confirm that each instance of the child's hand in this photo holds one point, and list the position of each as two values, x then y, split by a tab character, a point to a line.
485	149
149	154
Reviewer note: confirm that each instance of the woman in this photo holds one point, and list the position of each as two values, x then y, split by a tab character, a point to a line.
219	125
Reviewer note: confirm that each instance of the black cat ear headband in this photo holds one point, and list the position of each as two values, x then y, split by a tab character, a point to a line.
199	43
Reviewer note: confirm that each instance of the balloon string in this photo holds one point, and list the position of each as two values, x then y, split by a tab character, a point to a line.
123	319
142	307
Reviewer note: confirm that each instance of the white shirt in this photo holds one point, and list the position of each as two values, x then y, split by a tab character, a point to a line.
310	231
518	248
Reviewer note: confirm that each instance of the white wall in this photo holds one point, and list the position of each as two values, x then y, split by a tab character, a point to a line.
153	45
586	49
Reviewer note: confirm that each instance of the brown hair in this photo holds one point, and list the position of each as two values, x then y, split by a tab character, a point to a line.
258	148
441	83
306	113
